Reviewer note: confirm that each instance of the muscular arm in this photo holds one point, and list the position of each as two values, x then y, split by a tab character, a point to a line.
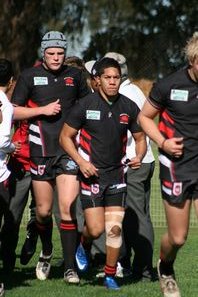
140	147
67	141
146	120
172	146
24	113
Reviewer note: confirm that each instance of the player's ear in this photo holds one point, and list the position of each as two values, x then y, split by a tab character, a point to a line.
97	78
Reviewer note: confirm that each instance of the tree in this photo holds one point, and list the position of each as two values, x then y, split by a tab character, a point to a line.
22	25
19	33
149	33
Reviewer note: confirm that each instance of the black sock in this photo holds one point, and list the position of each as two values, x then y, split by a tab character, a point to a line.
68	232
87	244
45	232
166	267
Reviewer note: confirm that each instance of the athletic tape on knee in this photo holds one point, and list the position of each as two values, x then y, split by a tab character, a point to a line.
112	220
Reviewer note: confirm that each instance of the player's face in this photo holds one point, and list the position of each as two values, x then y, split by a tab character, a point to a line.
194	70
54	58
109	82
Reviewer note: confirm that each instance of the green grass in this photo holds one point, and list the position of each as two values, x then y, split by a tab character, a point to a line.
24	283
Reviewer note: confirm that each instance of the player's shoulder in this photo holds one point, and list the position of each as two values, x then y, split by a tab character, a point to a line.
32	71
172	77
72	70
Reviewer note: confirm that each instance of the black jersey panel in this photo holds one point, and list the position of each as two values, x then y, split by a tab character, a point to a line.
41	87
103	137
177	96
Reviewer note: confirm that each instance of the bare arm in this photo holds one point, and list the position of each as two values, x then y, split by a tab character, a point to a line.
67	141
140	147
24	113
172	146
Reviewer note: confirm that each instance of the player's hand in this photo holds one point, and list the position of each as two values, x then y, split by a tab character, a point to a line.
174	146
134	163
52	108
88	169
17	145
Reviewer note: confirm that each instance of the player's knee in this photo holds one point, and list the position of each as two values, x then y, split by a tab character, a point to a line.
95	232
43	211
179	241
113	228
44	217
113	234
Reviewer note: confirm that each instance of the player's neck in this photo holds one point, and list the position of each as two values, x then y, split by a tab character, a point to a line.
108	99
192	74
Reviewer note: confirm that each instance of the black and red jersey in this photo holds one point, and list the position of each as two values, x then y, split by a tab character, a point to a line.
103	134
177	98
37	86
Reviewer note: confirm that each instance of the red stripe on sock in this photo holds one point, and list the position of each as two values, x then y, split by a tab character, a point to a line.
109	270
71	226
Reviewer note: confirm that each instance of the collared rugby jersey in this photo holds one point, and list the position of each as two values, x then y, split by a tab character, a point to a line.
177	98
103	134
37	86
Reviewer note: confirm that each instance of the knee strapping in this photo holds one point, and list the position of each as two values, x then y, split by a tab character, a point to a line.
113	228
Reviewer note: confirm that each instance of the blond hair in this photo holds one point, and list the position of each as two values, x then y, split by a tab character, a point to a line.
191	48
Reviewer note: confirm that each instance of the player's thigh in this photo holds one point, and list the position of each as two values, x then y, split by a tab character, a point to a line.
178	216
68	190
43	192
95	220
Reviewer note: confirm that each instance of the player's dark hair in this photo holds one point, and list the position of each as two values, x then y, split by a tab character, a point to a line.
107	63
6	72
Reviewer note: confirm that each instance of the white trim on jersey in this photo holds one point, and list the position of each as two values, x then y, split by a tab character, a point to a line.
83	154
34	128
35	139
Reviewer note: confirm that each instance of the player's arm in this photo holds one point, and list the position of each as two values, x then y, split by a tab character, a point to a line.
67	141
140	148
24	113
172	146
145	118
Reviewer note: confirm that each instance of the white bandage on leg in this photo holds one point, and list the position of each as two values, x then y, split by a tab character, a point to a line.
113	228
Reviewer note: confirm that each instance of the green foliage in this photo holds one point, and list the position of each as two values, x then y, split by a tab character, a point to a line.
150	33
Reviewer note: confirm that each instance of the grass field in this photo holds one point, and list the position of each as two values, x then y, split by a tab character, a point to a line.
24	284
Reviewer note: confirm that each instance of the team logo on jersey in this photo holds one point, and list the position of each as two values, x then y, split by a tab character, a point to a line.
40	81
95	188
177	188
41	169
69	81
92	114
179	95
124	118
